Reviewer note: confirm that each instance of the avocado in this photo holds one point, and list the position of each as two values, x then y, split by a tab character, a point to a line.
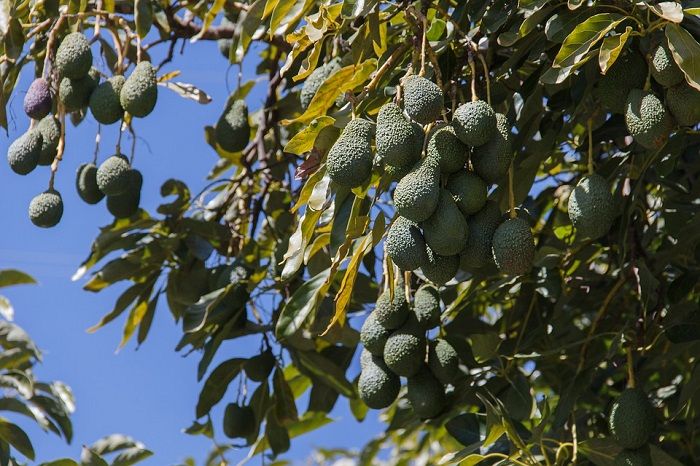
24	152
232	131
632	419
422	99
628	72
86	184
468	191
592	207
139	94
314	81
37	101
377	386
663	67
239	421
404	351
446	231
448	151
113	175
417	194
405	244
50	129
46	209
425	394
75	94
492	160
426	307
440	269
638	457
105	104
126	204
349	162
373	335
513	247
647	120
443	360
475	123
391	314
482	225
73	57
683	102
399	141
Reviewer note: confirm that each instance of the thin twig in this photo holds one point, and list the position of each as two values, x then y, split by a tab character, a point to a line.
61	145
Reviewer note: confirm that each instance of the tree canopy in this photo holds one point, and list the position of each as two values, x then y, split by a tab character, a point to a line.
527	170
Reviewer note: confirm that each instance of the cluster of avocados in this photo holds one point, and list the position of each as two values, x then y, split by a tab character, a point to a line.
649	116
444	219
632	421
395	346
79	88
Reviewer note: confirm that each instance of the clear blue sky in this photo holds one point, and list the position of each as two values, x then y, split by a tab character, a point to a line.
151	393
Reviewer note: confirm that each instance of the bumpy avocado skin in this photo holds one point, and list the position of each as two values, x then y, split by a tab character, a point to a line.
349	162
684	103
663	67
426	394
513	247
632	419
373	335
592	207
443	360
628	72
46	209
23	154
446	231
126	204
647	120
482	226
314	81
232	131
73	57
475	123
74	94
86	184
113	176
422	99
392	313
399	143
394	173
404	351
405	244
377	386
50	129
139	94
37	101
417	194
492	160
468	191
448	151
239	421
104	101
426	307
638	457
440	269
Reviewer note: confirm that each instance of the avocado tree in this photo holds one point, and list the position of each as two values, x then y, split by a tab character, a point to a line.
490	204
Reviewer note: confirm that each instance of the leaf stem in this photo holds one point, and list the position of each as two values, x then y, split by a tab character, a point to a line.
486	77
422	53
472	67
511	194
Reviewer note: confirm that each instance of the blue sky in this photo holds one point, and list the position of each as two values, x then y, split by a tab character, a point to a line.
149	393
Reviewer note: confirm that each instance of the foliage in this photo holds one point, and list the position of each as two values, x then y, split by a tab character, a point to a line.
274	250
48	404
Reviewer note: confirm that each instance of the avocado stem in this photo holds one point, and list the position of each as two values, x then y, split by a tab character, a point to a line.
511	194
631	383
590	146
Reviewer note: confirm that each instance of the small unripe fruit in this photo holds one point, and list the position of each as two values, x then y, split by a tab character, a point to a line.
37	101
113	175
86	184
46	209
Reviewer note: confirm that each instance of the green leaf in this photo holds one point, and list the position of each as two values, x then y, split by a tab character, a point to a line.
574	51
17	438
326	371
302	304
6	309
140	309
485	346
282	8
91	458
143	17
10	277
610	49
249	23
61	462
303	141
216	384
465	428
686	52
294	256
131	456
285	406
126	298
352	8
